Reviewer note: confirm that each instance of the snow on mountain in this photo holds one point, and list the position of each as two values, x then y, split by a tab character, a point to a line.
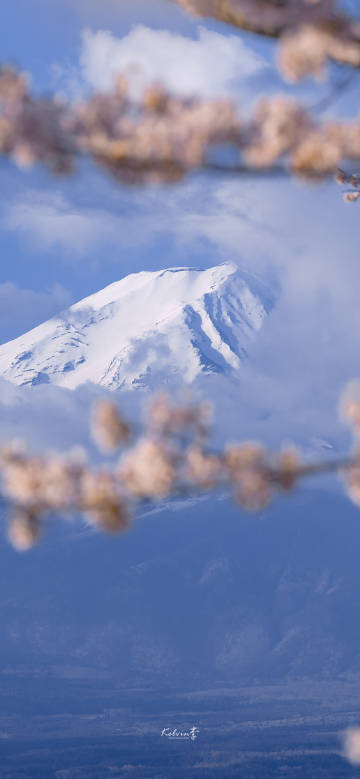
149	326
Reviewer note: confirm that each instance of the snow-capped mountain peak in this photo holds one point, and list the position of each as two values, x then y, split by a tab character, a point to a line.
152	325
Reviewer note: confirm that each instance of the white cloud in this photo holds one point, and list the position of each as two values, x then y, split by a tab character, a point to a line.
51	418
48	417
211	65
53	222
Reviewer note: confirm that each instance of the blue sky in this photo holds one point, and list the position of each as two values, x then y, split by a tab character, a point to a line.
62	239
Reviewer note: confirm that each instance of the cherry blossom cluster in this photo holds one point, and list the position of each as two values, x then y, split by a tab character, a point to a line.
351	745
161	137
350	411
352	183
31	128
310	31
170	457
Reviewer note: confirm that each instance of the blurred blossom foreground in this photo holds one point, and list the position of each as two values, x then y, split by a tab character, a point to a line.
352	745
170	457
163	137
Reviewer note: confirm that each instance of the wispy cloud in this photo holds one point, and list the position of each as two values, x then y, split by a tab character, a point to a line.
52	221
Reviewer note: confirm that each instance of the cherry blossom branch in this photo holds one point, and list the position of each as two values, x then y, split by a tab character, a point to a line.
337	91
310	31
162	138
170	458
269	17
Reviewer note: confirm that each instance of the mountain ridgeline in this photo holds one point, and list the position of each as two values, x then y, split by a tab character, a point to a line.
147	328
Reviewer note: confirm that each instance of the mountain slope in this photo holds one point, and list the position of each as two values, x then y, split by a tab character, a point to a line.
195	597
147	327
